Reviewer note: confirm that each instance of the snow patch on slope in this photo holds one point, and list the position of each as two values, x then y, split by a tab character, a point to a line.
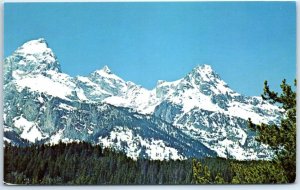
56	137
29	129
44	84
124	139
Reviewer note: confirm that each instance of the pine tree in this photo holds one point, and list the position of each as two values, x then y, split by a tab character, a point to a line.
281	138
219	179
235	180
201	174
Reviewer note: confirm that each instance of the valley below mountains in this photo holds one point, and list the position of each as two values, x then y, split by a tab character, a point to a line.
196	116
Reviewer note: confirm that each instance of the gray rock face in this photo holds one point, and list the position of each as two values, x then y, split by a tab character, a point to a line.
196	116
32	58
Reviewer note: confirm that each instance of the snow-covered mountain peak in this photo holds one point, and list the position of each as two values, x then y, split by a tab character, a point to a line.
106	75
205	73
106	70
204	68
38	46
33	57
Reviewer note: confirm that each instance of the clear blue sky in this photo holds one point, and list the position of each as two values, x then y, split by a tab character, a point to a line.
245	43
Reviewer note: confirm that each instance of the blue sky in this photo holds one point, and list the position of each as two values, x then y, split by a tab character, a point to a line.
245	43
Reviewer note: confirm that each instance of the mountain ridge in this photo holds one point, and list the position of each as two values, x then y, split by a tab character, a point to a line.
43	104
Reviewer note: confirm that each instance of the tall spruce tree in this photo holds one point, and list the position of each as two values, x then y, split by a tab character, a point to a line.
282	137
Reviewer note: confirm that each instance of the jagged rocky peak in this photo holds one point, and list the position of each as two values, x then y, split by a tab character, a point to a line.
203	72
105	73
106	69
32	57
201	77
107	80
203	68
34	47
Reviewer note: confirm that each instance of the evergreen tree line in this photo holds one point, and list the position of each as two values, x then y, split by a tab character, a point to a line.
226	171
82	163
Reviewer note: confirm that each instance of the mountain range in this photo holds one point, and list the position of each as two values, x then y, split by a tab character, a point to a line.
195	116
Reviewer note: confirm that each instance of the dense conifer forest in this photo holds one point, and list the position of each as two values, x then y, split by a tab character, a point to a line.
82	163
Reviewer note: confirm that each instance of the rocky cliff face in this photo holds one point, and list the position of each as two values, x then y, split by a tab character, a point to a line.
196	116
